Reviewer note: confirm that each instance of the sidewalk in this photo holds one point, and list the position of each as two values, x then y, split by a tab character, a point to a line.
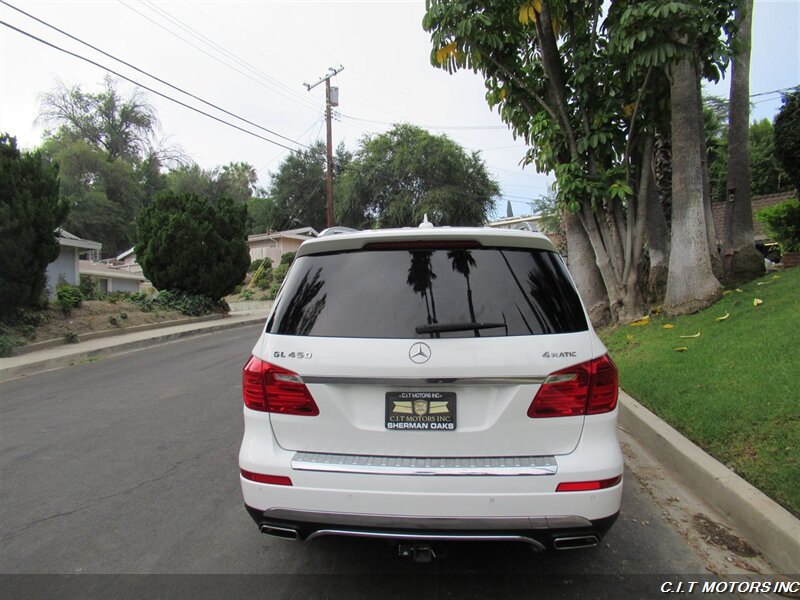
61	356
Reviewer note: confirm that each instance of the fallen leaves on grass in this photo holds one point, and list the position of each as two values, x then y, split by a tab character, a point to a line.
763	283
758	302
686	337
723	317
682	349
667	326
645	320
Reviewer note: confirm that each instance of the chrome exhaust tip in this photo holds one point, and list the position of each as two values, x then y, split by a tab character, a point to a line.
280	532
576	542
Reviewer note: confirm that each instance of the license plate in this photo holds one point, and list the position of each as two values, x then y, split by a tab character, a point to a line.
421	411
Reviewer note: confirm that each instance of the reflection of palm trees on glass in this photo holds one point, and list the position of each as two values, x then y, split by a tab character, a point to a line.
420	278
463	261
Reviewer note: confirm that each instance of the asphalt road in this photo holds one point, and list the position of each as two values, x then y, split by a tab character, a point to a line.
128	465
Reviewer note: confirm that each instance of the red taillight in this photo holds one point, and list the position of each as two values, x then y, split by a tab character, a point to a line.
261	478
586	486
270	388
589	388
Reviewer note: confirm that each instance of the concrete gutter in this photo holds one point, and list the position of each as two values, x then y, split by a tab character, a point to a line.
772	529
65	355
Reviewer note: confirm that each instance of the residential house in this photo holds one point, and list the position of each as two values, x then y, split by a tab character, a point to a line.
67	266
111	278
529	221
275	244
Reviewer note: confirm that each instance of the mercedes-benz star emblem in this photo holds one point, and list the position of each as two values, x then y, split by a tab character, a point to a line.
419	353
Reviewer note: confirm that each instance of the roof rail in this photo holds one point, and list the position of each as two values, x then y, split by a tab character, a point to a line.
336	230
526	226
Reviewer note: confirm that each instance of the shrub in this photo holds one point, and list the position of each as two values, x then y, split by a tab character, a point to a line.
287	258
246	295
89	289
273	290
782	222
258	262
192	305
68	297
264	278
191	245
71	337
7	345
113	321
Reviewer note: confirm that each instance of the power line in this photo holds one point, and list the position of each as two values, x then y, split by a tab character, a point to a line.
149	89
214	46
216	58
135	68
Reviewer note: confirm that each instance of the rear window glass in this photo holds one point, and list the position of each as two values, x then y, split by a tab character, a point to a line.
428	293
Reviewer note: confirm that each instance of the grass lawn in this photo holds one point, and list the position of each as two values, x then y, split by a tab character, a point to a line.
735	389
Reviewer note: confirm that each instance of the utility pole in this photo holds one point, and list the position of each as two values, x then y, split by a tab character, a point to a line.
331	99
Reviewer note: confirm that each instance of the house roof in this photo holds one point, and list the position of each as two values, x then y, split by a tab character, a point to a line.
65	238
757	203
88	267
303	233
514	220
125	254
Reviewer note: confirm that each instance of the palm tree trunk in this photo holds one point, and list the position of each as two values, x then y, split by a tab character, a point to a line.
691	284
746	262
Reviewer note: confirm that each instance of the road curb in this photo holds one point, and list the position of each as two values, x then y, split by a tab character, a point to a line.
68	357
773	530
106	333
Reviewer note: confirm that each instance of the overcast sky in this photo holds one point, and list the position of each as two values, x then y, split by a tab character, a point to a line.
252	59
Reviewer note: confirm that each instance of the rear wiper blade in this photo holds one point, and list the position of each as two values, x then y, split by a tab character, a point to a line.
445	327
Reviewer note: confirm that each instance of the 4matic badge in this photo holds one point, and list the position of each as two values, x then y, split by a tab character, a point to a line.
560	355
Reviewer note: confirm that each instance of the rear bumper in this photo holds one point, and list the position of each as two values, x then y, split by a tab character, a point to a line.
563	532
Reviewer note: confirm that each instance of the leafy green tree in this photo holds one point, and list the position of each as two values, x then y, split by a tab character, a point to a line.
399	176
110	158
556	79
298	188
263	215
787	136
30	211
104	195
237	181
767	176
589	97
190	244
122	127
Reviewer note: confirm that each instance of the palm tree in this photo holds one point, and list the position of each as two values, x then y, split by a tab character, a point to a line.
420	278
463	261
691	284
745	261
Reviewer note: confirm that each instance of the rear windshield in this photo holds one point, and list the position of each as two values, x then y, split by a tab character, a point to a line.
428	293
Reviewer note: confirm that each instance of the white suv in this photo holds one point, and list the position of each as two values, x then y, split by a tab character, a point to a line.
427	384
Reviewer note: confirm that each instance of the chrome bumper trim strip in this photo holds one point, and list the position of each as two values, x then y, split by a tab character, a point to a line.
435	538
422	382
403	465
